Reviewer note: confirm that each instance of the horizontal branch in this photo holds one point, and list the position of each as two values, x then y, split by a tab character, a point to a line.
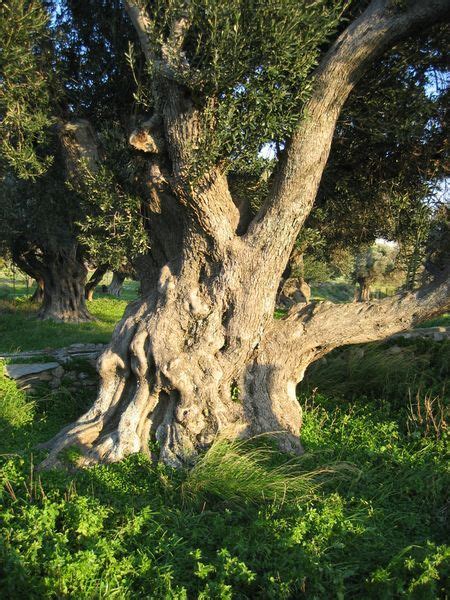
298	177
312	330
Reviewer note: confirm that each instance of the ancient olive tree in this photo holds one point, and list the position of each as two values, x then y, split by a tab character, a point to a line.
201	353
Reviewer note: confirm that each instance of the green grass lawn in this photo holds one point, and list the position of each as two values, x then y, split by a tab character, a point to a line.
243	524
20	330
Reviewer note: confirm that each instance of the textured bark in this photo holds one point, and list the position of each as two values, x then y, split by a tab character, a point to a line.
201	353
363	291
38	295
115	287
94	280
64	279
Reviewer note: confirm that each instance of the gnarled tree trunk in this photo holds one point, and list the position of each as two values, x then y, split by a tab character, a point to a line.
201	353
64	276
363	291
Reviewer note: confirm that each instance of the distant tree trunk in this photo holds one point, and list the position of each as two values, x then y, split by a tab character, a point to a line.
38	294
62	276
115	287
64	288
363	293
93	282
293	288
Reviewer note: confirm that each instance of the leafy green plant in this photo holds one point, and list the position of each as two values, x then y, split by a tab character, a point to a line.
15	409
244	523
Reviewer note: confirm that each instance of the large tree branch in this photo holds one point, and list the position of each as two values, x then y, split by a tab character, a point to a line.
175	130
80	149
143	26
295	186
312	330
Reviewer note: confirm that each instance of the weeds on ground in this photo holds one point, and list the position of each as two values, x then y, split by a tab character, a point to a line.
135	530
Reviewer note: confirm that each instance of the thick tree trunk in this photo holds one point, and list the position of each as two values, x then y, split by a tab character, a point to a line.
175	360
64	289
201	354
115	287
94	280
38	295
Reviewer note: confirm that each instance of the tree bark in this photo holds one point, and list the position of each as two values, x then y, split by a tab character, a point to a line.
38	295
94	280
64	277
201	353
115	287
363	289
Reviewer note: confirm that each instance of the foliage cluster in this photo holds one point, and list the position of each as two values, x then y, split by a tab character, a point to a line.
249	66
25	106
113	227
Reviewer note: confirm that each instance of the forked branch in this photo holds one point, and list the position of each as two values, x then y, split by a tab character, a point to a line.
295	186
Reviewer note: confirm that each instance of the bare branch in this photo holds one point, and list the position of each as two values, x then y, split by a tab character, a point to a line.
142	24
298	177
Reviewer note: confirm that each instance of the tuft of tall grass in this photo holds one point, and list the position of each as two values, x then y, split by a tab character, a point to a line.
239	472
15	410
427	415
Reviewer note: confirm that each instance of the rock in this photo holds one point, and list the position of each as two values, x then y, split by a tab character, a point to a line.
394	350
83	376
58	372
55	383
19	371
45	376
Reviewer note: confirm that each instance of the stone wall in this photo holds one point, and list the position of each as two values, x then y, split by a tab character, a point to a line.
73	366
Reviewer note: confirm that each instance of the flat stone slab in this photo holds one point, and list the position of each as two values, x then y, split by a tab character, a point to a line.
19	371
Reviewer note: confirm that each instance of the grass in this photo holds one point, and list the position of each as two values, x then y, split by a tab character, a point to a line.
393	370
245	522
442	321
253	475
19	329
